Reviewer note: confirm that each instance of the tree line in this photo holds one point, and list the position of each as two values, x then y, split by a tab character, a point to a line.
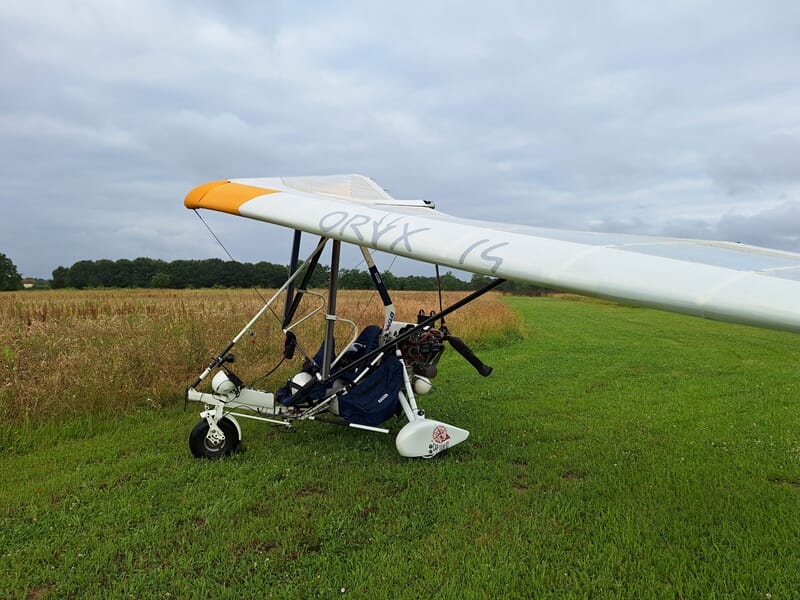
176	274
214	272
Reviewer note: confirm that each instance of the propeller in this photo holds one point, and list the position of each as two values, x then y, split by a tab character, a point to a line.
460	347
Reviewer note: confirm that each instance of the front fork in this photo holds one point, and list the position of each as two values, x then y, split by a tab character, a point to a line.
212	416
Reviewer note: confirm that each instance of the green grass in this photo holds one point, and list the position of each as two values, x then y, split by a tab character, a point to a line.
615	452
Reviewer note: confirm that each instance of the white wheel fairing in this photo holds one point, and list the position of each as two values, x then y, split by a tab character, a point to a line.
427	437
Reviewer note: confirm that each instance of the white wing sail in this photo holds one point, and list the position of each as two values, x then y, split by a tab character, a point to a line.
718	280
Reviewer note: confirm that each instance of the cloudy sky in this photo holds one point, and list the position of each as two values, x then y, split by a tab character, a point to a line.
681	119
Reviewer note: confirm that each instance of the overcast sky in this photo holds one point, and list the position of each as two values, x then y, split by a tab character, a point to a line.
679	119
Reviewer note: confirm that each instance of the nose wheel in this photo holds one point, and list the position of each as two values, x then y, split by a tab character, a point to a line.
205	442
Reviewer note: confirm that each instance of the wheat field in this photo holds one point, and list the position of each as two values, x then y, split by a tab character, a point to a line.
70	353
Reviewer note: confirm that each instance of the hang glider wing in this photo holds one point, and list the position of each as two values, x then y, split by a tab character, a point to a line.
717	280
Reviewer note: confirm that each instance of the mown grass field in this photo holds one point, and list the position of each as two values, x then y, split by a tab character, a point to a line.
615	452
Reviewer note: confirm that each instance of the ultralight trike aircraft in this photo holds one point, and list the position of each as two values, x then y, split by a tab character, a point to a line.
382	369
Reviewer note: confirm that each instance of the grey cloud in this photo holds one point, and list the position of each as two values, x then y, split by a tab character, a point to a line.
769	161
679	119
776	227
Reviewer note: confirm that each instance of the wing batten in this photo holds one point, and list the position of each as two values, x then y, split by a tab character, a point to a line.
719	280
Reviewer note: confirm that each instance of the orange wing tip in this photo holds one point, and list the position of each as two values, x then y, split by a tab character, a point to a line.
194	198
223	195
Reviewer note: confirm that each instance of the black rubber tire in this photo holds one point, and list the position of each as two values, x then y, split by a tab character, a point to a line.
203	448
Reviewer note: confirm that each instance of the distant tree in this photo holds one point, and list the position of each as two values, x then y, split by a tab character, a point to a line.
390	280
41	284
478	281
160	280
10	278
416	282
270	275
320	276
123	275
105	272
450	282
353	279
60	277
143	269
525	289
181	273
82	275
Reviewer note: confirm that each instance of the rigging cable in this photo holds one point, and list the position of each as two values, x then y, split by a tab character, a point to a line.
221	245
255	289
439	285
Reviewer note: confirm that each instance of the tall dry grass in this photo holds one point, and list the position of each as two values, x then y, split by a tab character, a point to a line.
70	353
